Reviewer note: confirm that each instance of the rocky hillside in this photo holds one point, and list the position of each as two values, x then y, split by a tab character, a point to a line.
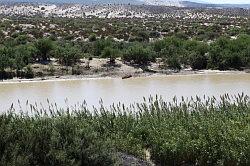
177	3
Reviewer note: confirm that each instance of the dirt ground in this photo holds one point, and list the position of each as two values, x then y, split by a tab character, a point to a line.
94	67
100	68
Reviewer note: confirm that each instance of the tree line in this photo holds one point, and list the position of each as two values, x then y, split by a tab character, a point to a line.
176	52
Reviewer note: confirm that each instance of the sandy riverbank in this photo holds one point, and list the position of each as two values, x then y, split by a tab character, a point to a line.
99	69
120	75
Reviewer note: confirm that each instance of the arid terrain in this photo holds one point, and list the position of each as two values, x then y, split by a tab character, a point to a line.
124	82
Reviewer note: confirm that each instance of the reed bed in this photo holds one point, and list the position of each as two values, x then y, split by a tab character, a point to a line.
198	131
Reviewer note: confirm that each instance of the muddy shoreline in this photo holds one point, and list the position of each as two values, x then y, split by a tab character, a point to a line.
117	75
98	68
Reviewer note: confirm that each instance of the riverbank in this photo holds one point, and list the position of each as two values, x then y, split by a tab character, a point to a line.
100	69
120	76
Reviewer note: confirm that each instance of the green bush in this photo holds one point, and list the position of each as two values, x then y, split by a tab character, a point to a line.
195	132
175	52
43	46
138	54
92	38
67	54
100	45
45	141
110	53
29	72
225	53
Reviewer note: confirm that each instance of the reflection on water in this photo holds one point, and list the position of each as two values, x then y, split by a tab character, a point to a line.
126	91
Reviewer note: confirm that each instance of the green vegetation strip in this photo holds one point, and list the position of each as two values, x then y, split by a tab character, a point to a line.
200	131
17	55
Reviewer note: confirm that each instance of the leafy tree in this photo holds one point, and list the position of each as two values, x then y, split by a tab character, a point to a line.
44	46
21	39
67	54
159	45
216	53
173	54
173	63
110	53
171	58
197	54
168	43
138	54
246	56
24	55
143	36
225	53
100	45
198	61
181	35
4	59
2	36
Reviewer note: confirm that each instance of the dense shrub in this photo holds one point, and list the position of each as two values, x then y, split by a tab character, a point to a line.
110	53
194	132
226	53
197	54
29	72
100	45
67	54
138	54
92	38
43	46
175	52
45	141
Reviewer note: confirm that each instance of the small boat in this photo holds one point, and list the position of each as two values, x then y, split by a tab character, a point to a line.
126	77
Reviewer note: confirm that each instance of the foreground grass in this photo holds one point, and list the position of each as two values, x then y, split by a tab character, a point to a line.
195	132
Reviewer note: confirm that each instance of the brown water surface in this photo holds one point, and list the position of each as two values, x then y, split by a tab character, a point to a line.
117	90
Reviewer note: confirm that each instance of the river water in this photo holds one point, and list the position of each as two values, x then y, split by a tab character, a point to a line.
116	90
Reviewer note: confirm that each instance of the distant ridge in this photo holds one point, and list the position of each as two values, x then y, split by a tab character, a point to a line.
86	2
178	3
208	5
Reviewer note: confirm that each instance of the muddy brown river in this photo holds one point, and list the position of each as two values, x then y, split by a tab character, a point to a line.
116	90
